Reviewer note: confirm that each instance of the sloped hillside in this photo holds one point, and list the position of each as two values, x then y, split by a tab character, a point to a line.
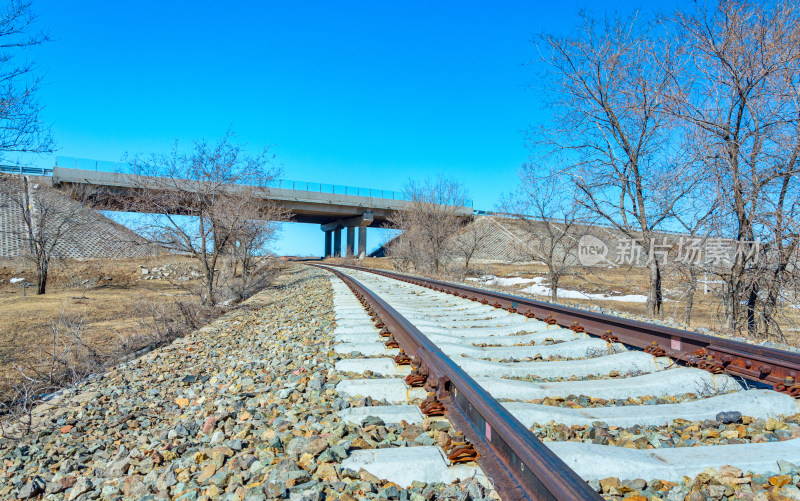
90	233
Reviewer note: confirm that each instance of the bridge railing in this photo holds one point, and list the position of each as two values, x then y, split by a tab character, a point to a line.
95	165
285	184
28	171
288	184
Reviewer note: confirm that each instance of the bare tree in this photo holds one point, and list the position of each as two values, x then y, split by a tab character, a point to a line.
550	218
249	261
21	130
469	240
688	259
429	223
401	248
779	268
47	219
206	203
739	90
607	81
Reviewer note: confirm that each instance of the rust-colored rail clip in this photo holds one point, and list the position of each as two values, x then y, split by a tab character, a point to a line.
696	357
575	327
385	332
789	386
655	350
529	314
711	365
392	343
609	338
402	359
431	406
415	379
461	451
550	321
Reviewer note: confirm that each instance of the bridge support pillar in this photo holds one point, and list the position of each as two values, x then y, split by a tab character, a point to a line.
362	242
351	241
337	243
328	244
351	223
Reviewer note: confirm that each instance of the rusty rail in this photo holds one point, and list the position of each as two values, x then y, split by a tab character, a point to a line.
770	366
520	465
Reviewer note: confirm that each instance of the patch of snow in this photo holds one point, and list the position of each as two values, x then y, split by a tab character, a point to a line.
542	290
16	280
504	282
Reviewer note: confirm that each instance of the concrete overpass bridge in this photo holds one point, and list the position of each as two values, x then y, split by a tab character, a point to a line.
333	207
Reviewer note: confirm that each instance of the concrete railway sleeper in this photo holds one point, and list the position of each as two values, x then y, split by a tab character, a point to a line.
774	367
512	469
430	464
505	376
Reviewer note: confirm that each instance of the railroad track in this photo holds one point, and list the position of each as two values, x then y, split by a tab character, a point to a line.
503	370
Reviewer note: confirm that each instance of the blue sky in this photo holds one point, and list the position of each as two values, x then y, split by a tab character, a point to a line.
360	93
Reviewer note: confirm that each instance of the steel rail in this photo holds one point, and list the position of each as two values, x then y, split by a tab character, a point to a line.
520	465
770	366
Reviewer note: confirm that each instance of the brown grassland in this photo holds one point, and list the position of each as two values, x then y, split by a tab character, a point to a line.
111	298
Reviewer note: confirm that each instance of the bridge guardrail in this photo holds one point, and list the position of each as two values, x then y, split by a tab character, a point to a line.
286	184
22	169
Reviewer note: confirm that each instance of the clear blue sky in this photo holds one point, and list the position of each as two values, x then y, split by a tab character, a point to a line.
360	93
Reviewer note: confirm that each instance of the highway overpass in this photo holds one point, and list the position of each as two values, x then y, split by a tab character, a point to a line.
333	207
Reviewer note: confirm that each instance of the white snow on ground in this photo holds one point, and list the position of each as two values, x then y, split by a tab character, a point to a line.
504	282
543	290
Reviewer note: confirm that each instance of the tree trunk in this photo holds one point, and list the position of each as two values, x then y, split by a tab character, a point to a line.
209	293
770	302
687	312
739	288
654	298
728	304
768	322
752	299
735	293
554	287
41	278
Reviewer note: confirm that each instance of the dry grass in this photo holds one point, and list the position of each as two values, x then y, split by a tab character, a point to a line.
103	293
377	263
706	312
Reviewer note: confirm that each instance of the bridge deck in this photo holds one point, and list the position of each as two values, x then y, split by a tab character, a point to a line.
307	206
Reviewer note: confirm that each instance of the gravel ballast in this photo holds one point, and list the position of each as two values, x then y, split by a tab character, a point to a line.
244	408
